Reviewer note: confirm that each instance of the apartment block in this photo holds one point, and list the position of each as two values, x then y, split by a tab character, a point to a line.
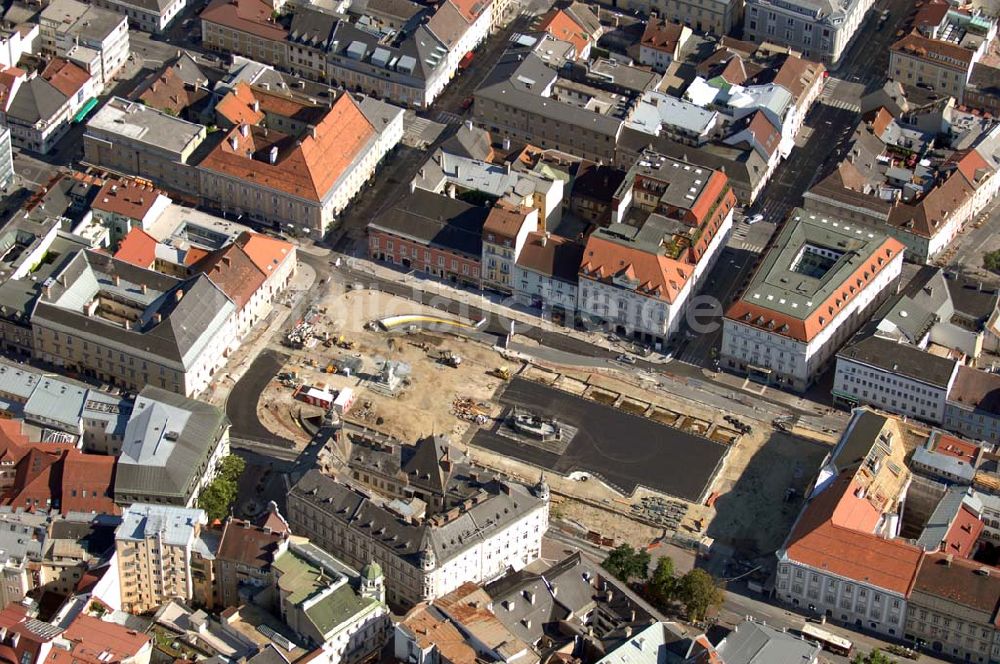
819	29
158	549
89	36
504	235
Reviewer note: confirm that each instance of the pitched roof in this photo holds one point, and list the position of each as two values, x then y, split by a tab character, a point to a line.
958	580
126	197
238	105
661	34
448	25
796	75
976	389
65	76
96	641
940	52
87	481
234	272
564	27
309	167
169	90
932	213
250	16
655	275
551	255
827	536
505	220
266	252
246	544
10	77
36	100
137	248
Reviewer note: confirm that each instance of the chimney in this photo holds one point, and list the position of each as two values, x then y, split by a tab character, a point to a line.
157	318
244	129
256	106
128	324
233	143
116	280
144	288
468	125
506	143
413	186
545	238
312	131
178	294
272	155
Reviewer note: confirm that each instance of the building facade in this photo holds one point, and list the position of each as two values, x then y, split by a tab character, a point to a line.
89	36
155	548
819	29
504	234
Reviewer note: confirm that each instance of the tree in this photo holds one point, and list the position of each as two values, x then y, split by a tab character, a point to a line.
874	657
699	592
991	261
627	563
662	583
218	496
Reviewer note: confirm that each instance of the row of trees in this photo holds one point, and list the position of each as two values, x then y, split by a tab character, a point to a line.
697	590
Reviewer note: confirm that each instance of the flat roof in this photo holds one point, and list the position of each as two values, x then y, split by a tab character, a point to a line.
901	359
623	450
141	123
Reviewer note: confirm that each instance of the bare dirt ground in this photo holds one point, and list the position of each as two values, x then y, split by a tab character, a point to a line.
755	477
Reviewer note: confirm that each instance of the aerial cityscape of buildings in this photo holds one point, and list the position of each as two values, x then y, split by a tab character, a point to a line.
499	331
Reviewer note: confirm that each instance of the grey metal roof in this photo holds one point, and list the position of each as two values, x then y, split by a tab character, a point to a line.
520	77
36	100
312	26
192	312
756	643
437	221
174	526
167	442
403	540
944	463
901	359
780	286
936	530
55	400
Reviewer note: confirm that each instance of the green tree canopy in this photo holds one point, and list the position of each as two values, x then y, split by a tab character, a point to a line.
874	657
699	592
662	583
991	261
627	563
218	496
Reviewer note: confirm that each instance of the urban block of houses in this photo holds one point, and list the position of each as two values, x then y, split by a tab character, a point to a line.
39	107
818	283
89	36
669	222
819	30
429	495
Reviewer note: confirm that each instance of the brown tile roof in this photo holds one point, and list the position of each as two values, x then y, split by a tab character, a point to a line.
976	389
137	248
65	76
246	544
432	629
87	481
551	255
448	25
939	52
126	197
167	91
765	134
931	14
972	165
267	253
234	272
797	75
960	582
883	120
307	168
505	220
561	25
661	34
930	215
826	537
250	16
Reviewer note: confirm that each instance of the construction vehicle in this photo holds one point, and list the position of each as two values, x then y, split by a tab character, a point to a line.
449	358
346	344
331	368
503	373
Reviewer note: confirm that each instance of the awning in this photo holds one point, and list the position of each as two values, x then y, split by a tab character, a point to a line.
85	109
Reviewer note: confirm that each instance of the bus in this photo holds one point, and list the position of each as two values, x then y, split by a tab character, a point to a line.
835	644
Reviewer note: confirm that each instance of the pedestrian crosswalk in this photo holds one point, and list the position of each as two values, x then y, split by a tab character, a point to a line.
828	98
445	117
840	103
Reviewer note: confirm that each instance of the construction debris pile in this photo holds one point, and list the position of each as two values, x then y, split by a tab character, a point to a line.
662	512
470	410
303	335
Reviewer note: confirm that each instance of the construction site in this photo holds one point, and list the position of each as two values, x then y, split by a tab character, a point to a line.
626	461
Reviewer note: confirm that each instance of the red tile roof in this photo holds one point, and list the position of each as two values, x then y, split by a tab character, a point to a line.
825	538
561	25
250	16
764	133
658	276
662	35
98	642
267	253
308	167
972	165
137	248
238	106
953	446
86	483
10	78
470	9
246	544
963	533
940	53
65	76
